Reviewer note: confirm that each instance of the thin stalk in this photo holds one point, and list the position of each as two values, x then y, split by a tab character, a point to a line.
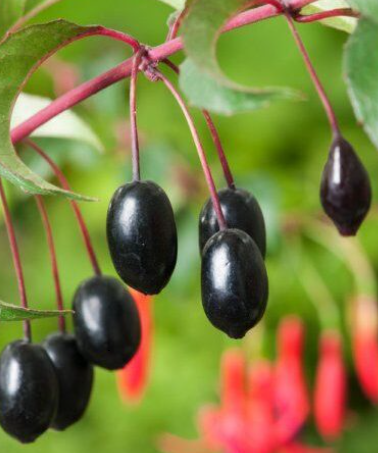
80	219
175	27
346	12
214	135
53	258
133	116
315	78
200	149
16	259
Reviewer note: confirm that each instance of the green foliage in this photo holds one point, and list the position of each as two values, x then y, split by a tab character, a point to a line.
9	312
368	8
20	54
343	23
177	4
202	72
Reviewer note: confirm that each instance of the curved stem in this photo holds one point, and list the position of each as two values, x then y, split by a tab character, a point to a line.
119	36
133	116
200	149
175	27
16	259
80	219
325	15
214	135
314	76
122	71
53	258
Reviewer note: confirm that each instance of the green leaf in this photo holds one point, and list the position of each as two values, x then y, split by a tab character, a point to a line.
14	13
20	55
10	312
361	70
177	4
343	23
368	8
67	125
207	93
200	31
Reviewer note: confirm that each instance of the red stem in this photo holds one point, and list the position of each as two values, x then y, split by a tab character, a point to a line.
16	259
53	258
133	115
314	76
175	27
200	149
122	71
80	219
326	15
214	135
119	36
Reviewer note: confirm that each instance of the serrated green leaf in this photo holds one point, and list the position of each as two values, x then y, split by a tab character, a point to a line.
67	125
177	4
17	12
9	312
20	55
343	23
361	71
206	93
368	8
201	30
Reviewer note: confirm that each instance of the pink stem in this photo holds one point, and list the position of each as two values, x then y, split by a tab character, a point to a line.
16	258
200	149
122	71
133	115
53	258
175	27
119	36
314	76
80	219
326	15
214	135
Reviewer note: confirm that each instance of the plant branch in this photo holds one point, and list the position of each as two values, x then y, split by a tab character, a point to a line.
16	258
326	15
200	149
123	70
80	219
133	115
53	258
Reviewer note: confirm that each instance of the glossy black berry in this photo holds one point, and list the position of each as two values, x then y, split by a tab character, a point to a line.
234	282
241	211
345	188
142	236
75	379
28	391
107	324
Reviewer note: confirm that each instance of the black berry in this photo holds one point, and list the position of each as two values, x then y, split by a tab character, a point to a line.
234	282
107	324
28	391
241	211
142	236
345	188
75	379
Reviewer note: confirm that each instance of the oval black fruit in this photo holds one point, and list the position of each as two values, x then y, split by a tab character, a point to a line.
28	391
142	236
241	211
234	282
345	188
107	324
75	379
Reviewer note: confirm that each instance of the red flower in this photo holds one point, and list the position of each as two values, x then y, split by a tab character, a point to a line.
132	380
330	387
365	345
291	395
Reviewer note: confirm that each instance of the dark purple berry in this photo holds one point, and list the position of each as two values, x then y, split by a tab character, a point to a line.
241	211
345	188
75	379
28	391
142	236
107	324
234	282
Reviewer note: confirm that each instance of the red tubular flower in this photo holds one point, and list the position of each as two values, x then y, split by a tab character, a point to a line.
132	380
330	387
365	345
291	395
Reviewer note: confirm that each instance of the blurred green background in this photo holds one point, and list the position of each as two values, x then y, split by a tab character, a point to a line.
278	153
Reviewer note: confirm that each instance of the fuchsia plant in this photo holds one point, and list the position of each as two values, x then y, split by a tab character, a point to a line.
112	326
